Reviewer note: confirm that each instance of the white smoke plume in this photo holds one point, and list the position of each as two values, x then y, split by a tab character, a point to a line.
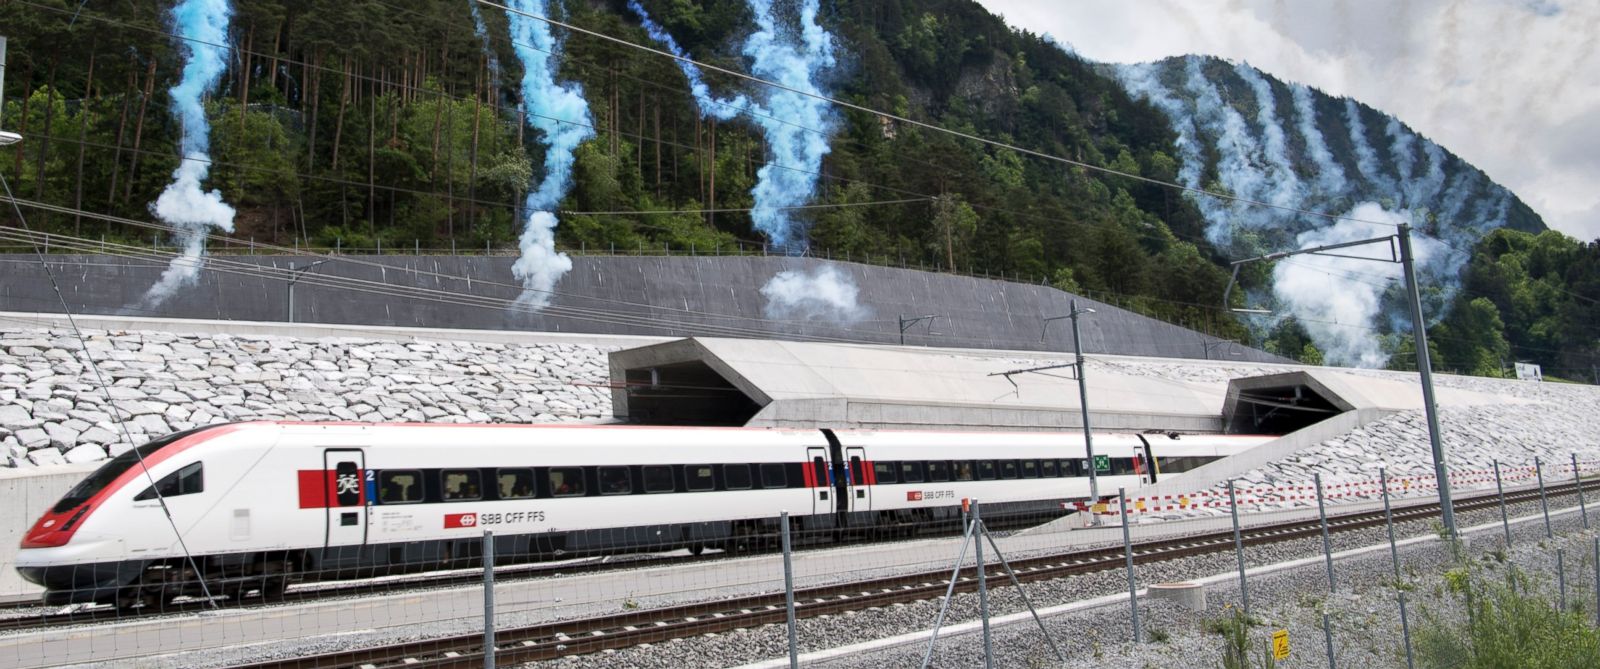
185	205
1366	156
1330	174
1404	156
823	294
1338	300
1274	143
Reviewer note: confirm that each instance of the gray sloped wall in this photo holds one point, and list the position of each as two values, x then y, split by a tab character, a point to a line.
665	296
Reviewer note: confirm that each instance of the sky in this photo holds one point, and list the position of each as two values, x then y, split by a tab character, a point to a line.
1512	86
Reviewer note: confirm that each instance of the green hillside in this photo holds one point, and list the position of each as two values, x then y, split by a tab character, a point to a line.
364	122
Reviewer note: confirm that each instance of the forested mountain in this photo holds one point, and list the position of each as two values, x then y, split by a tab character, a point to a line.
352	122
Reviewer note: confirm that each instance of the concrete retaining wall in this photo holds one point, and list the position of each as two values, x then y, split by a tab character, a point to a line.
27	494
649	296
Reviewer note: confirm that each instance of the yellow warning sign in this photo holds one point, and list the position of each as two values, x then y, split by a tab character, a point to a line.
1280	645
1099	508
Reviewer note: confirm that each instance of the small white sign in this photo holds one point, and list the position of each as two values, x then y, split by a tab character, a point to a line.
1527	371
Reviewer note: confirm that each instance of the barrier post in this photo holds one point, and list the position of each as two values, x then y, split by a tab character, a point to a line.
1327	545
1597	582
1544	502
1388	520
1405	631
983	585
1561	576
1127	552
1505	521
788	592
1578	481
488	599
1238	550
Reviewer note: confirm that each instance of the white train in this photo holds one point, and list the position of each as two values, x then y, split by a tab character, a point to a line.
260	504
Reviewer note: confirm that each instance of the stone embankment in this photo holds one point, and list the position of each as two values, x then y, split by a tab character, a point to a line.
1550	421
53	409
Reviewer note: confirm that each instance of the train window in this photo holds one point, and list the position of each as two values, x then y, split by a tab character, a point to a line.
963	470
615	481
566	482
186	481
911	472
697	478
515	483
399	487
938	470
1008	469
858	475
885	472
658	478
986	470
460	485
1030	469
736	477
1048	469
773	476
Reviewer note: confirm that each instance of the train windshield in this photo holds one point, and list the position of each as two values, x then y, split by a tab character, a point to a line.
109	472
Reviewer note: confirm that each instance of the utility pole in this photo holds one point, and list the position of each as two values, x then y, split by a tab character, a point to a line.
1083	393
1401	255
1419	330
294	275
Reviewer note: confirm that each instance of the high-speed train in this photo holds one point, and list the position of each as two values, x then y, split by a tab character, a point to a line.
256	505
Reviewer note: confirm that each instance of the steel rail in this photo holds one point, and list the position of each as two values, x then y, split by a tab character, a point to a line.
548	641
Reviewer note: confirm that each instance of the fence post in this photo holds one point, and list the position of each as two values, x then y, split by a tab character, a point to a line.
1327	545
1505	521
1388	519
1561	576
1578	481
1238	550
1127	553
1544	503
983	585
1405	631
1597	581
788	592
488	599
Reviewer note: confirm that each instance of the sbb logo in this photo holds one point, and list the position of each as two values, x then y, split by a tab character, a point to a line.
453	520
914	496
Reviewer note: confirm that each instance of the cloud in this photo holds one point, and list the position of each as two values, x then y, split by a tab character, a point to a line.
1511	86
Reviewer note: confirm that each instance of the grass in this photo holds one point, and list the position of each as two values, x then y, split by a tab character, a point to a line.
1508	621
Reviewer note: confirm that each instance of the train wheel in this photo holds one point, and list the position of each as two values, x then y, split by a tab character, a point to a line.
128	599
697	549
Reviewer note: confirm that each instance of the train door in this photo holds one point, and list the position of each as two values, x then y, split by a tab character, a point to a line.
817	475
860	493
1146	460
347	503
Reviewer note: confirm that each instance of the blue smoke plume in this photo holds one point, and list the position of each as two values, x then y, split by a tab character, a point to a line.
559	112
797	58
708	103
488	47
184	204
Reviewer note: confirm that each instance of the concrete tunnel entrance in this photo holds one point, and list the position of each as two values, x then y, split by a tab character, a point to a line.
686	393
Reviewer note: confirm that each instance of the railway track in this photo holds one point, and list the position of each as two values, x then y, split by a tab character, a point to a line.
329	590
549	641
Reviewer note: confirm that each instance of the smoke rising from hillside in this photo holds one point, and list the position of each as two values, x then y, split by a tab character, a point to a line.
185	204
797	55
561	115
1254	160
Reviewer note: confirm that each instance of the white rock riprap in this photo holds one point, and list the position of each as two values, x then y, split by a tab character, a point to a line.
54	410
